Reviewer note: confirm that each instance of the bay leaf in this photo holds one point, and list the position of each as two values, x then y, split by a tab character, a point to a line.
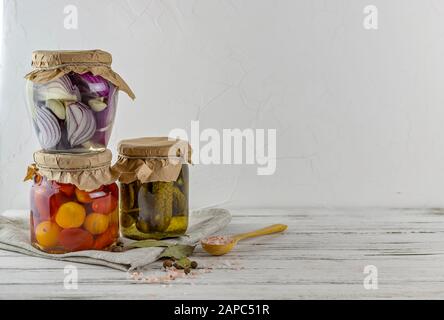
177	251
148	244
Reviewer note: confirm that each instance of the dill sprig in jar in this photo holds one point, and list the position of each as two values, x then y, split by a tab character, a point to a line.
153	177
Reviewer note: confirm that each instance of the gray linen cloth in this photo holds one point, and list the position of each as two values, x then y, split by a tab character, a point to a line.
14	236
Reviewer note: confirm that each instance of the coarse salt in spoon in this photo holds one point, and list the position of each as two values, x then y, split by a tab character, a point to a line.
220	245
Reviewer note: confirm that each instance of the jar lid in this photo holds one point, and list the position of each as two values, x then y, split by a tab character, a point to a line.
72	161
53	58
50	65
155	147
151	159
87	171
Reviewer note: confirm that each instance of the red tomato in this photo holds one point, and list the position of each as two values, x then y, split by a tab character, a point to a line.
66	188
56	200
76	239
114	189
105	204
87	197
83	196
107	238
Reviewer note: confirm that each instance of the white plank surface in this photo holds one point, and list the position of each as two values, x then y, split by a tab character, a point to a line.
322	255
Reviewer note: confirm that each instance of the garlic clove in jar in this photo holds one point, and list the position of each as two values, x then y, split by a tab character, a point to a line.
57	107
97	104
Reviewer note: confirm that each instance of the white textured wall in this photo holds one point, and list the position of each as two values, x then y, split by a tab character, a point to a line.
359	114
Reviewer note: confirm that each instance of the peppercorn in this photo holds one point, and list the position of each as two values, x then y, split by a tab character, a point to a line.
193	264
187	270
177	266
167	263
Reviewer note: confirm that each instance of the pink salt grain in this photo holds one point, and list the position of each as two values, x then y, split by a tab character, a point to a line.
168	275
217	240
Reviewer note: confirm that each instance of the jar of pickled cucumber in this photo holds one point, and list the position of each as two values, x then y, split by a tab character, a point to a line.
153	177
74	202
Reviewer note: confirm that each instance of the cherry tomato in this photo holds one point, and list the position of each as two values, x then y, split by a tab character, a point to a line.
107	238
105	204
96	223
47	234
88	197
67	188
83	196
56	200
114	189
70	215
75	239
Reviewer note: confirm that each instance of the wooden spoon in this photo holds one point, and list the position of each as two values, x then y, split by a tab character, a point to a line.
219	245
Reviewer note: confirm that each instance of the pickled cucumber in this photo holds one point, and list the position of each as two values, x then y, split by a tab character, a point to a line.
124	198
143	226
127	219
179	202
155	209
163	205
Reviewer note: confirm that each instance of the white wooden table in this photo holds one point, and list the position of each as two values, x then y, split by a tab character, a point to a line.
322	255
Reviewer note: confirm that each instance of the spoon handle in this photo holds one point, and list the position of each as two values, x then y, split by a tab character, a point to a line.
260	232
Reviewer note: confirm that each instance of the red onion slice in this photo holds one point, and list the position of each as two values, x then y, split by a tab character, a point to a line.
49	132
80	123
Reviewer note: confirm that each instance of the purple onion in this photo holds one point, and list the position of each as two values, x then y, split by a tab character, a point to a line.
48	128
105	118
91	85
80	123
60	89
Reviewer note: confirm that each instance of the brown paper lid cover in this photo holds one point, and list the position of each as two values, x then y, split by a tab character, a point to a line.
151	159
147	147
55	58
87	171
52	64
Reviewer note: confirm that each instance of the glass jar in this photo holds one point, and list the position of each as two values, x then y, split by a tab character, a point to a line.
155	209
153	188
72	97
65	217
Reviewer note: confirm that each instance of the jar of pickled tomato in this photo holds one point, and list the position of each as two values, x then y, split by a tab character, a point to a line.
153	177
72	98
74	202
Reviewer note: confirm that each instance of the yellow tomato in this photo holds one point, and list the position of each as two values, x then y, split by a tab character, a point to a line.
47	234
70	215
83	196
96	223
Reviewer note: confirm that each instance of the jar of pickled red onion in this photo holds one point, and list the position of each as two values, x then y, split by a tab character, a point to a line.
72	98
74	202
